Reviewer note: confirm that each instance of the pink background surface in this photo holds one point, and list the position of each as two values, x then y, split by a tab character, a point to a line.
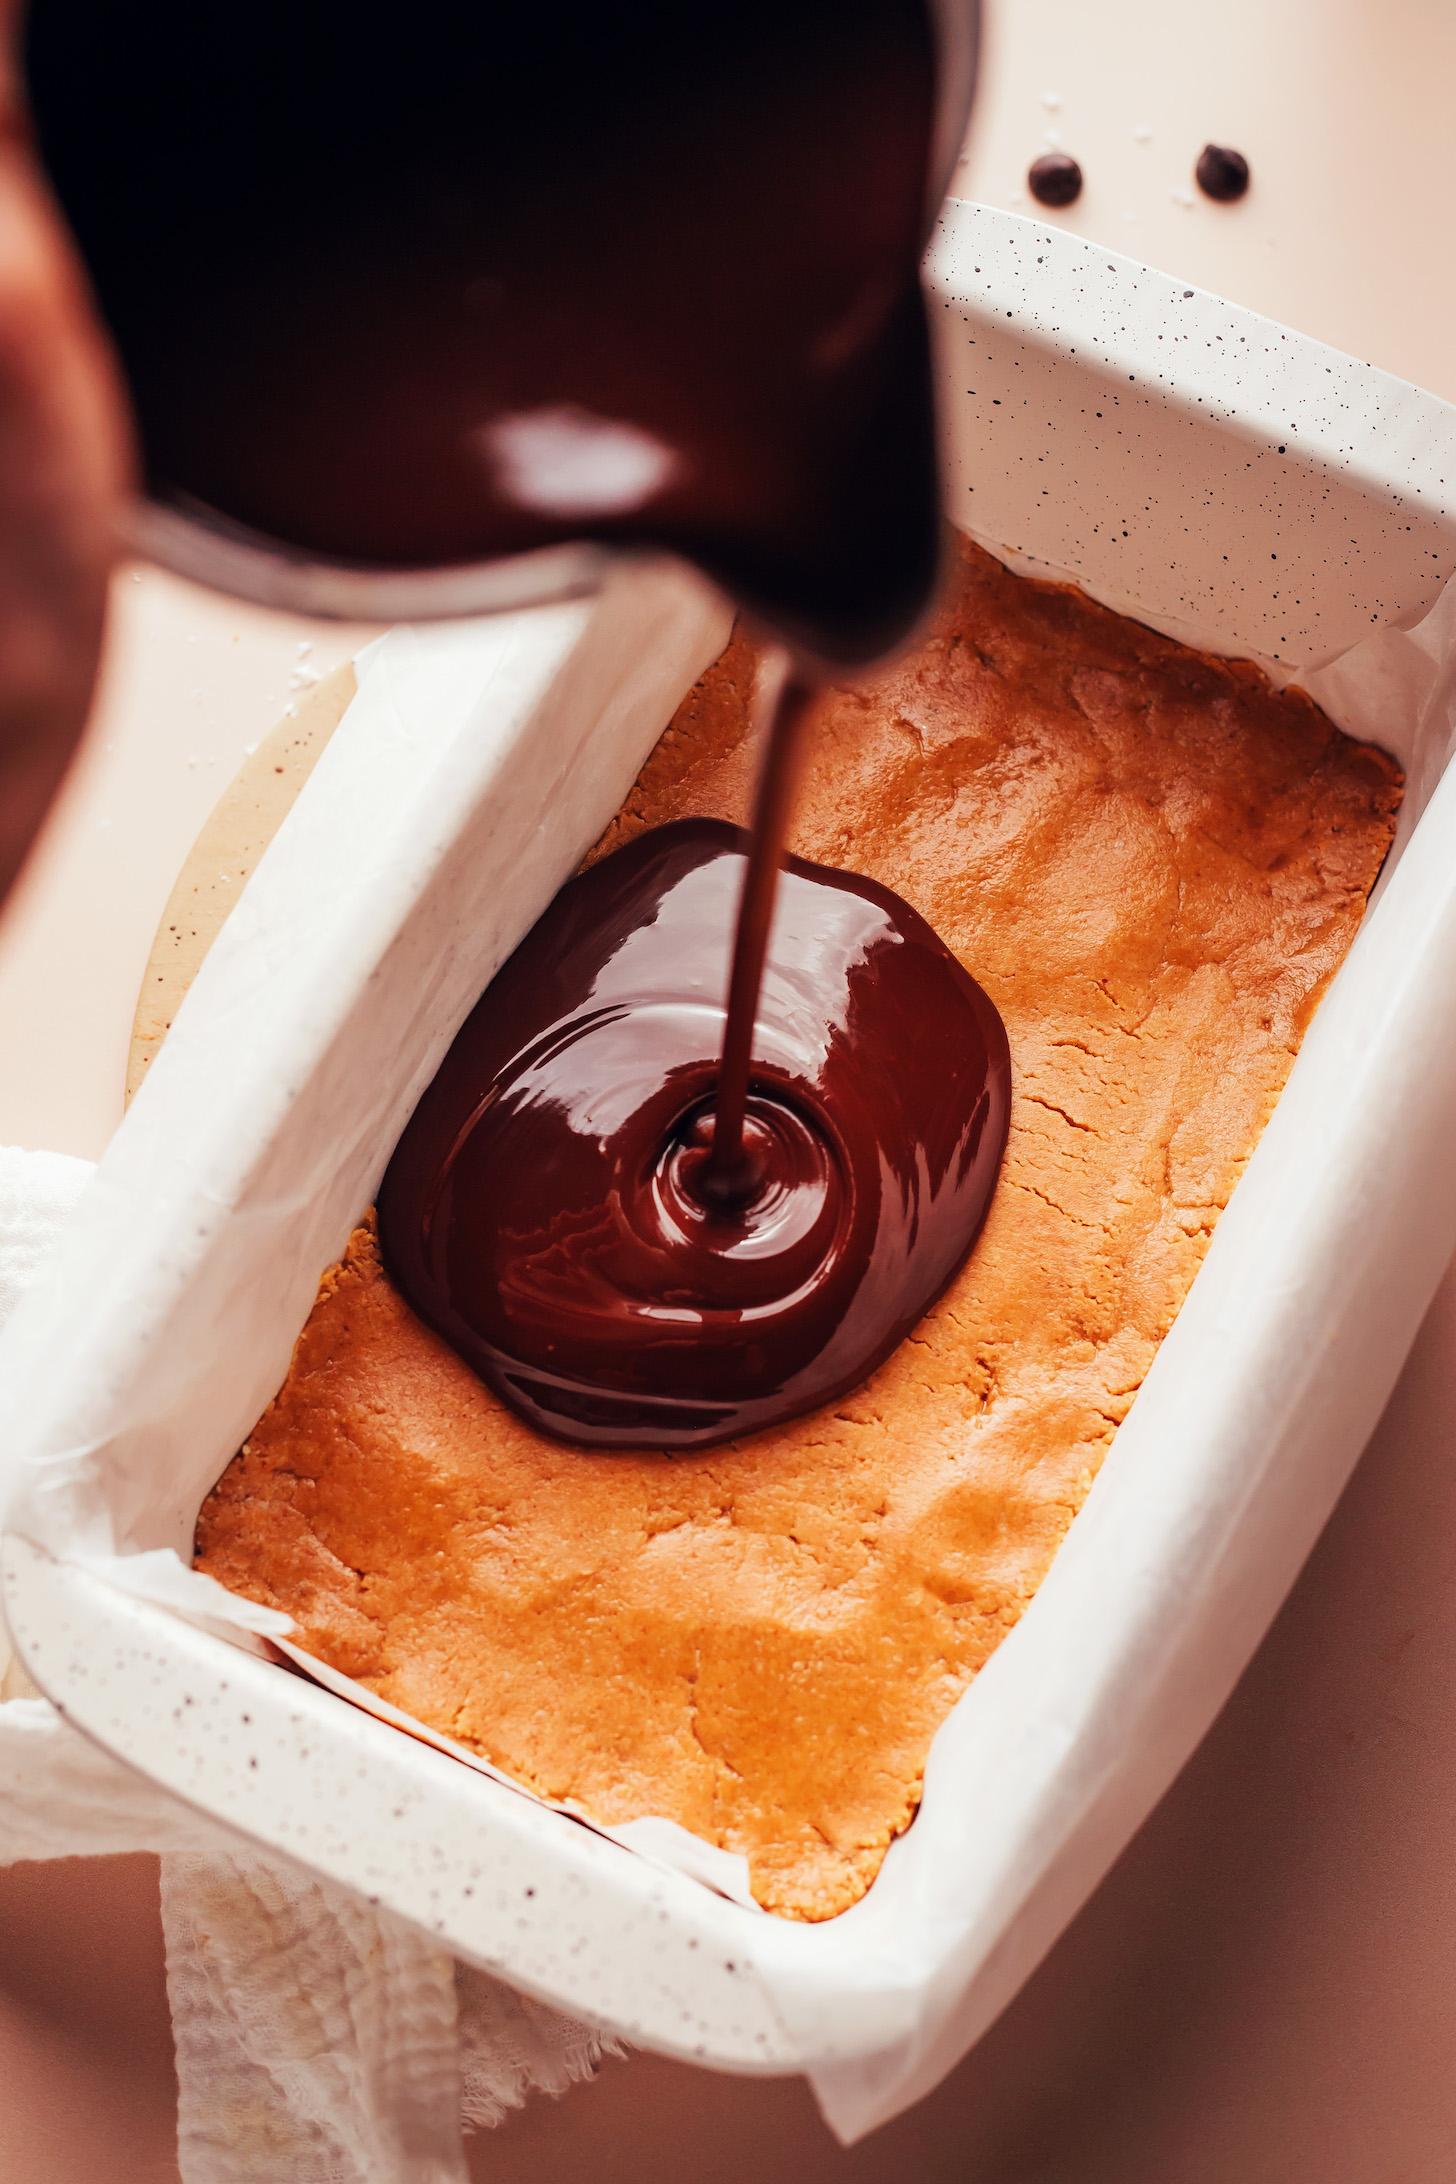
1265	1987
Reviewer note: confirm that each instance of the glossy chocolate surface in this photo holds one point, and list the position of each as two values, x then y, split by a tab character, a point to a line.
544	1210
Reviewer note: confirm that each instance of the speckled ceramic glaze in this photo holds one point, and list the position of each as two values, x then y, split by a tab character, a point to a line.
1229	482
1202	467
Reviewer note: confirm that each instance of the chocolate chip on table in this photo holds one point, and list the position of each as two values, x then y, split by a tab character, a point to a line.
1054	179
1221	173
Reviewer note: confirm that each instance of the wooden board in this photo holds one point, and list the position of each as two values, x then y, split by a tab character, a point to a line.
241	825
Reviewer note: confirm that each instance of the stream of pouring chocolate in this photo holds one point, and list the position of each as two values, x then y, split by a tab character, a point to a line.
645	275
668	1187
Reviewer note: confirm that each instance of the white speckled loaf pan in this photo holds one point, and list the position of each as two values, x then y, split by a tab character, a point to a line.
1223	478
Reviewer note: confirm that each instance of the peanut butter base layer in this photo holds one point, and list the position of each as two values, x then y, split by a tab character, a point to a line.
1153	862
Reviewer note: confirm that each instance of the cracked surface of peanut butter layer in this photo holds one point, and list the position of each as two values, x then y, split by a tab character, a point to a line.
1153	862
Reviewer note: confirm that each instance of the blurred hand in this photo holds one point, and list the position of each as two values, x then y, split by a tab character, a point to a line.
64	457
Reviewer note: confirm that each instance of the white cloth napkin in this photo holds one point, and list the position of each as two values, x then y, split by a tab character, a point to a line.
318	2041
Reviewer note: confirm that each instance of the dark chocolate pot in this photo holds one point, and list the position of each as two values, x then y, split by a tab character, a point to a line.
439	283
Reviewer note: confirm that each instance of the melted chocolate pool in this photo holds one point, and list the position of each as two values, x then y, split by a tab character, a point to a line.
545	1210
